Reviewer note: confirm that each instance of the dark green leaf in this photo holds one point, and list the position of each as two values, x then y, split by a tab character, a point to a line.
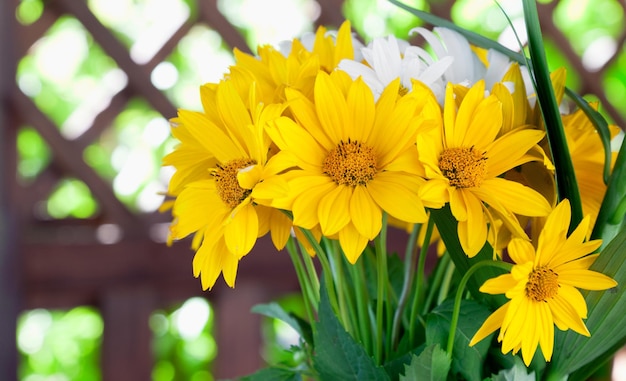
274	310
467	361
432	364
273	374
396	366
337	355
567	186
605	321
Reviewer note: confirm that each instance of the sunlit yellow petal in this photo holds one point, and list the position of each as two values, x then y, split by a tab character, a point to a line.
493	322
365	214
333	210
352	243
242	231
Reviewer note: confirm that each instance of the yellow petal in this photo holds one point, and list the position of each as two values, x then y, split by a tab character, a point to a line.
242	230
331	107
493	322
352	243
333	210
586	279
365	214
565	315
521	251
360	102
391	194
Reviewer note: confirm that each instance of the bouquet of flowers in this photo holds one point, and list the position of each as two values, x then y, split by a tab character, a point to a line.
326	143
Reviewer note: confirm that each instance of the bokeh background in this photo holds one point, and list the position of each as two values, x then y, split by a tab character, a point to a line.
88	288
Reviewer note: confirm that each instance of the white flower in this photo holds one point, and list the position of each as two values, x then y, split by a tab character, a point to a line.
466	68
391	58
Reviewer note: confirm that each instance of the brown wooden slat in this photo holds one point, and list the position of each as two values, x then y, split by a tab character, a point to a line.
104	120
212	16
70	158
28	35
10	279
138	76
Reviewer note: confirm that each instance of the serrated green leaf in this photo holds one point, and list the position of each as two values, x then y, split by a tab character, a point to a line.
467	361
274	310
273	374
517	373
579	354
337	355
432	364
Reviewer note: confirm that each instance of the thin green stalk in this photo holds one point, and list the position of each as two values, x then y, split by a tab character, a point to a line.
444	290
420	279
311	272
382	279
326	269
435	284
360	292
305	286
335	259
459	293
410	258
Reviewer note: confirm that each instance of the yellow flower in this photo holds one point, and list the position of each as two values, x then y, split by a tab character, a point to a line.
464	158
225	207
588	157
542	287
274	70
355	158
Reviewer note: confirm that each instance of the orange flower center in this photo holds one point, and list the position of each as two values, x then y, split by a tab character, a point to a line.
464	167
350	163
542	284
226	181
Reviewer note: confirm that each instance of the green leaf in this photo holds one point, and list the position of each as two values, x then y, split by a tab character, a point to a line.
611	215
567	186
337	355
274	310
467	361
517	373
579	354
273	374
432	364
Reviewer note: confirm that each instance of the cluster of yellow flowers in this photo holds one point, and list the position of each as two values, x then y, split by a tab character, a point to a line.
328	135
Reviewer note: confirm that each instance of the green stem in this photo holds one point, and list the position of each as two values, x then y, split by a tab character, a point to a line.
382	278
327	274
418	282
409	264
312	271
310	301
435	284
459	294
444	290
335	259
360	292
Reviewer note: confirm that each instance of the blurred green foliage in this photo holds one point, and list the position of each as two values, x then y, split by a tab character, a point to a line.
62	345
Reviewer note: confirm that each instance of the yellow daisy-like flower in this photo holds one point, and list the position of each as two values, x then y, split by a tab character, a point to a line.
355	158
588	159
542	287
225	208
464	158
274	70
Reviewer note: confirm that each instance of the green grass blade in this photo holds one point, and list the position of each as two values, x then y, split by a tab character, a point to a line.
565	175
